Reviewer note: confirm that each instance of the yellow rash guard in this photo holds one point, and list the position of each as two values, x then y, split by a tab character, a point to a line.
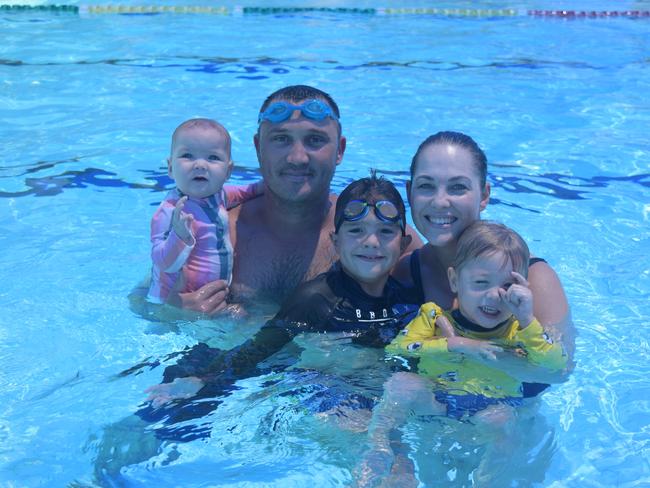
459	374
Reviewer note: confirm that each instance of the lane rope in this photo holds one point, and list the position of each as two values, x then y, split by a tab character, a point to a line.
440	12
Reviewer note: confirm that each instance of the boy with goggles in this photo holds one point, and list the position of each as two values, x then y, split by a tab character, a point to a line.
385	210
357	297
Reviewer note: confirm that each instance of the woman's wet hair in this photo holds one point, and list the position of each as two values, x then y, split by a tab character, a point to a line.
371	189
456	139
484	237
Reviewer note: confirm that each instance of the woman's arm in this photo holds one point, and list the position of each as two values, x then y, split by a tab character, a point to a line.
551	309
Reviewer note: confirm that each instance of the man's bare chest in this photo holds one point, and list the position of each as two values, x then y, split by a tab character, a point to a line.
272	267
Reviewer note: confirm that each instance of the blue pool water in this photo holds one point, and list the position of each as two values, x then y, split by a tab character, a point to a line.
88	103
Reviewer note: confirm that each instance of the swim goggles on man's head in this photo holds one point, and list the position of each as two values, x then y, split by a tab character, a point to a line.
312	109
385	210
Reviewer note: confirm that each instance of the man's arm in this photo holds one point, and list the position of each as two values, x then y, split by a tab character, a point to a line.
210	299
238	194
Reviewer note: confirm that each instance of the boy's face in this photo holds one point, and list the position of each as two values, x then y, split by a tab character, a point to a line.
369	249
477	286
200	161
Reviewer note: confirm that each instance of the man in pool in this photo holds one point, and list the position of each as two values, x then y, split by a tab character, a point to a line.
283	238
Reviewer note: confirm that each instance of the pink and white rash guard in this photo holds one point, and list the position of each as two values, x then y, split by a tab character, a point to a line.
210	257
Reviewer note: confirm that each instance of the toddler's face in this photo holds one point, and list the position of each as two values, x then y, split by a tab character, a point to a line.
477	285
200	161
369	249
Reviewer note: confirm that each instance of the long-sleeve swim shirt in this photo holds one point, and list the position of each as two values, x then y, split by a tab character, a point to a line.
187	267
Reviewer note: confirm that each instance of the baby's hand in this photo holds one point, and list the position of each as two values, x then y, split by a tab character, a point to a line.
519	299
177	389
182	222
472	347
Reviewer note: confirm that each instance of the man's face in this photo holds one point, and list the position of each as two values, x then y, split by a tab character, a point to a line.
299	155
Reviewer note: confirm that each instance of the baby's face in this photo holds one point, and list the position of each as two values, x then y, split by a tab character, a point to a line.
200	161
369	249
477	285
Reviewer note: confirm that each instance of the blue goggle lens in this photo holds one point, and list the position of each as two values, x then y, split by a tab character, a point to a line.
385	211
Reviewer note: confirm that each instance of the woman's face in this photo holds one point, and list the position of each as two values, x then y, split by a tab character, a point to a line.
445	193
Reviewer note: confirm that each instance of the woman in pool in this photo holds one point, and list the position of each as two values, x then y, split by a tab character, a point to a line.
447	192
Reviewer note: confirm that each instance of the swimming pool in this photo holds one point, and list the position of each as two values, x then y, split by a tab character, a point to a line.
88	102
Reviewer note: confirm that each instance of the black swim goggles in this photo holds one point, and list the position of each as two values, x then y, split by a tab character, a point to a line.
312	109
385	210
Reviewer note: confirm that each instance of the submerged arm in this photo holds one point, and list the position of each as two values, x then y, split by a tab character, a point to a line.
218	370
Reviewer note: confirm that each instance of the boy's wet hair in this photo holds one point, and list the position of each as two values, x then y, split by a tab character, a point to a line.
484	237
456	139
371	189
203	124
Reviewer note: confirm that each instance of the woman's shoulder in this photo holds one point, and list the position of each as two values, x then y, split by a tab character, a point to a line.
535	260
403	270
540	270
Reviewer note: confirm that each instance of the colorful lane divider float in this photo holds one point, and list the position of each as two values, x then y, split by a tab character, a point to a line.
441	12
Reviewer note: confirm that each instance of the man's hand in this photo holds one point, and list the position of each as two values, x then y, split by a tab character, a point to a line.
210	299
180	388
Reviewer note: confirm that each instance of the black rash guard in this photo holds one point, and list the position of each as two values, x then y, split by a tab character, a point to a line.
331	302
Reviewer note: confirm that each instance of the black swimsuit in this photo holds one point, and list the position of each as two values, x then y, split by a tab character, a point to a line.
416	272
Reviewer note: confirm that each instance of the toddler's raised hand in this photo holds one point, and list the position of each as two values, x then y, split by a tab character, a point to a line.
182	222
445	327
519	299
